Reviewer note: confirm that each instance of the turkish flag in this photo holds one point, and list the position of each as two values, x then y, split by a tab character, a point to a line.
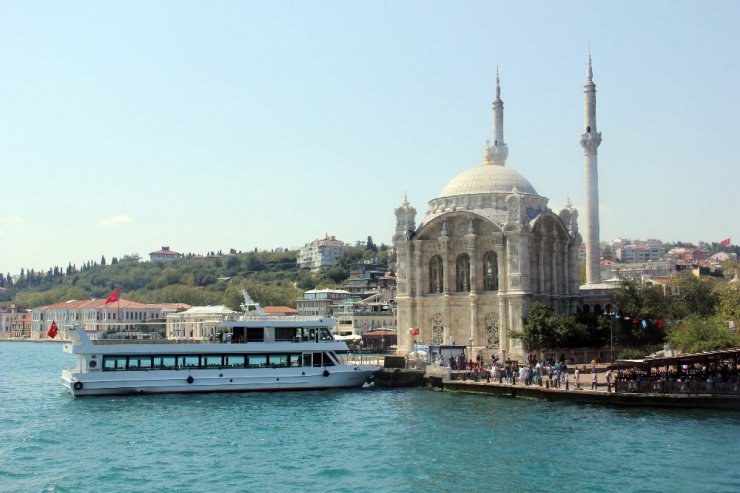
53	330
725	242
114	296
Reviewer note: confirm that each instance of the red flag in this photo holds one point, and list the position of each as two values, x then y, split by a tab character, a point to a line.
725	242
53	330
414	332
114	296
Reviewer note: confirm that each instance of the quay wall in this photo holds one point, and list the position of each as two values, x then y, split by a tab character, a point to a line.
439	378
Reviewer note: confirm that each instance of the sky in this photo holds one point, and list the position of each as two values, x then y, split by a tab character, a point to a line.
126	126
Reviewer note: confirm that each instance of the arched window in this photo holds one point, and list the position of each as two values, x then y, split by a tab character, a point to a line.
462	279
490	272
435	274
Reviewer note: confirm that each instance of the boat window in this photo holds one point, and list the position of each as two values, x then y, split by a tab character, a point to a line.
278	360
333	356
326	335
255	334
165	362
188	361
234	360
139	362
256	361
317	359
111	363
307	359
211	361
284	333
327	360
295	360
311	331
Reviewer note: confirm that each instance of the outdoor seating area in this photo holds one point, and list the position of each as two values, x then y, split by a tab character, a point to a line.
710	372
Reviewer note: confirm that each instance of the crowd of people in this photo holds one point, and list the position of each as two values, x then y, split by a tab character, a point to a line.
541	372
690	379
546	372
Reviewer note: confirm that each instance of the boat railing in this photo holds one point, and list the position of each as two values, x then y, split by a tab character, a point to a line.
106	342
240	317
362	359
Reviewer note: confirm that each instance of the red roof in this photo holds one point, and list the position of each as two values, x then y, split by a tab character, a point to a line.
100	303
379	333
280	310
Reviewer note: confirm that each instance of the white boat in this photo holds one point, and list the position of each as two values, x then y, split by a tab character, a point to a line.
264	353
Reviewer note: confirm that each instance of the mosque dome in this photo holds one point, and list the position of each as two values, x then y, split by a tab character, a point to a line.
487	178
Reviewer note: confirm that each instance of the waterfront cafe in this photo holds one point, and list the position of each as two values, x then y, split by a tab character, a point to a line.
380	340
707	372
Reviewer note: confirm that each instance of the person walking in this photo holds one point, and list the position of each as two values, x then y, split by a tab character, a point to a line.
608	380
594	385
577	378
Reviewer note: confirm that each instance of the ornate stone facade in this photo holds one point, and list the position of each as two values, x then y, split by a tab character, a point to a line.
487	248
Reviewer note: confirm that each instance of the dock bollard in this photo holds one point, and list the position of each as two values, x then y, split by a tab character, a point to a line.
547	384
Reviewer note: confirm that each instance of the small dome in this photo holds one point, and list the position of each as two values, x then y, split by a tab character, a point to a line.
487	178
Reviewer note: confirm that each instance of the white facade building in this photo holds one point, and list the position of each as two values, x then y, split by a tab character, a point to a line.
98	316
164	255
321	254
198	323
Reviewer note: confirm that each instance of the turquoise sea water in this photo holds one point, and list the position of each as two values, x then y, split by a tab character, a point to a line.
359	440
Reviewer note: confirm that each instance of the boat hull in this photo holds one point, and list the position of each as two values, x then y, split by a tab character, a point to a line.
215	380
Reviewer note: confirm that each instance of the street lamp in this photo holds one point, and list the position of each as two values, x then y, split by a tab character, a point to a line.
470	342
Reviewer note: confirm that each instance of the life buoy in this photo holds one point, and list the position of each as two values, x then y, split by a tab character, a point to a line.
326	373
78	385
190	379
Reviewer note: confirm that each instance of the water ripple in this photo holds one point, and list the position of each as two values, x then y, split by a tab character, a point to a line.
336	441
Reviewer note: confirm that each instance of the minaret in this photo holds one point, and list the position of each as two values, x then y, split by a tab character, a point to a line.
499	151
590	141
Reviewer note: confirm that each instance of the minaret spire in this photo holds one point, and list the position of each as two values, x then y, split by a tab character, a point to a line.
590	141
499	151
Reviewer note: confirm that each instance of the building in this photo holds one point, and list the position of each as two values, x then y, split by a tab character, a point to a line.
15	324
323	302
98	316
164	255
355	314
321	254
368	278
640	251
197	323
489	246
688	255
659	269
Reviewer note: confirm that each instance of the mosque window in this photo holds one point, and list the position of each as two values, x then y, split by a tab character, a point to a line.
435	274
462	280
490	272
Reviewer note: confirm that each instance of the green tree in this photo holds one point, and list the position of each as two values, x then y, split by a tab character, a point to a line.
34	299
728	302
695	295
545	329
697	333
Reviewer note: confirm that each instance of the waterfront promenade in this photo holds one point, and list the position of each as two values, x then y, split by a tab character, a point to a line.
459	381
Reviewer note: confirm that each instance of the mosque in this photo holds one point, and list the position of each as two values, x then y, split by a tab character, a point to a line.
489	246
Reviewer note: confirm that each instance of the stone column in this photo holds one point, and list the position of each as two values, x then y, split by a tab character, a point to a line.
447	274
